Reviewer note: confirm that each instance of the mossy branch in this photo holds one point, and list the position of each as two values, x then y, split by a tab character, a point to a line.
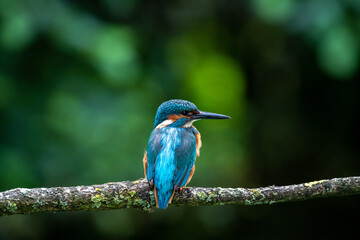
137	194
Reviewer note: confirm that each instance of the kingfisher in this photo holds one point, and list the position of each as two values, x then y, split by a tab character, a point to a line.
174	143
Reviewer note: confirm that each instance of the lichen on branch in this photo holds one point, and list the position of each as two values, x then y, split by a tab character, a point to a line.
137	194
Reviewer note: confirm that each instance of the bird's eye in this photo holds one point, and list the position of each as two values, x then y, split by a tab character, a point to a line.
186	113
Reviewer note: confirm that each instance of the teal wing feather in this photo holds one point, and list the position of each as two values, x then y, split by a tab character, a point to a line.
185	157
171	155
165	165
152	151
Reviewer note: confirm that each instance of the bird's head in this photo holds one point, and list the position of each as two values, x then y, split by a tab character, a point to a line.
181	113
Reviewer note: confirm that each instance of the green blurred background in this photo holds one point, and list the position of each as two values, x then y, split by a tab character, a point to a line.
80	82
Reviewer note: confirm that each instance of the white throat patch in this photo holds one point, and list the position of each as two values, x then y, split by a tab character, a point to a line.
189	124
168	122
164	124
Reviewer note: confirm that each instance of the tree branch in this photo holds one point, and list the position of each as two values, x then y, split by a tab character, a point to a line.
137	194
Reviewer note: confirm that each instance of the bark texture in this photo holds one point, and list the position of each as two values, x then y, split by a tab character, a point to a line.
137	194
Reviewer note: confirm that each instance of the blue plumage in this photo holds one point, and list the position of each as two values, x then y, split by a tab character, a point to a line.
169	160
171	155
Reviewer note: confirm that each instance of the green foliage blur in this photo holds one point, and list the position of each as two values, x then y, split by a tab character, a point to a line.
80	82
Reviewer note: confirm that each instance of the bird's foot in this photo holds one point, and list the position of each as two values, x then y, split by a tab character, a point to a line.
151	183
178	188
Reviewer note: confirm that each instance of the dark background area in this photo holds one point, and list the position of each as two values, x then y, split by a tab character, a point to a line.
80	82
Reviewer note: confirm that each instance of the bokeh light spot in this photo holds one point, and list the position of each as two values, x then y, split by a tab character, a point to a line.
338	52
114	55
16	32
217	83
274	11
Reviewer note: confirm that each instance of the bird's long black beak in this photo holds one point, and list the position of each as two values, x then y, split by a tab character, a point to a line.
207	115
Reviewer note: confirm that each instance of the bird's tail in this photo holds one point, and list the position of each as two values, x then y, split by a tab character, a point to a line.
163	198
165	168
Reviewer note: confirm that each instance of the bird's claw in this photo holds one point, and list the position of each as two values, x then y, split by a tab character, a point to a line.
151	183
178	188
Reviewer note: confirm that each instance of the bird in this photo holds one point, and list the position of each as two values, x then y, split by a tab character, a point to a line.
174	143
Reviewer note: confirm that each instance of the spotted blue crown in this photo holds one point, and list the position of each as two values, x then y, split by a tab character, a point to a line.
174	106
